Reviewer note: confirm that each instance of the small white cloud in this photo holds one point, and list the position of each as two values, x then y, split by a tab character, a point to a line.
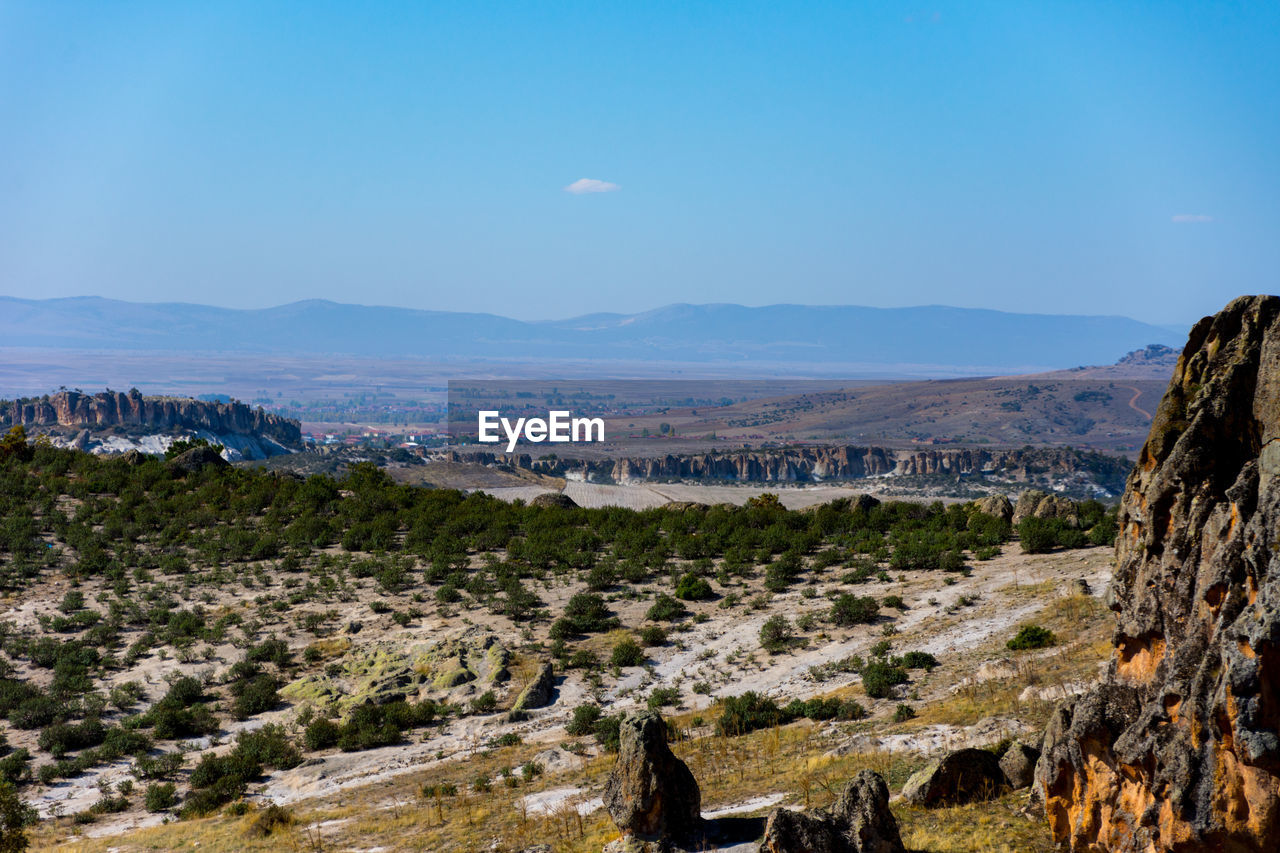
591	185
1185	218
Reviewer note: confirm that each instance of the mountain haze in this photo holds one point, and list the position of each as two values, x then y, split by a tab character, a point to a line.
979	339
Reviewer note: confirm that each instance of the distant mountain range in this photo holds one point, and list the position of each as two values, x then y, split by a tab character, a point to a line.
972	339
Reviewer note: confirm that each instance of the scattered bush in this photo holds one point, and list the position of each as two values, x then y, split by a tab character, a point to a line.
746	713
653	635
776	635
626	653
879	678
1032	637
851	610
584	720
665	609
693	588
161	796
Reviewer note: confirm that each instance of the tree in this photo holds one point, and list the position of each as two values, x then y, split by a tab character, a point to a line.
15	817
14	444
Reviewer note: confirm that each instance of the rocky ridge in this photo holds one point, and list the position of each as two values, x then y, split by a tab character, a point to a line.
74	410
822	464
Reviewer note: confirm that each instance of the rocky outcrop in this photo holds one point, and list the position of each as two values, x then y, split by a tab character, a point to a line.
1178	749
1019	765
539	692
71	409
196	458
1034	503
554	499
997	505
814	464
858	822
384	671
651	794
962	776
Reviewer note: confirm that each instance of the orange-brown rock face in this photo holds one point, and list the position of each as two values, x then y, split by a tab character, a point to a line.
1179	748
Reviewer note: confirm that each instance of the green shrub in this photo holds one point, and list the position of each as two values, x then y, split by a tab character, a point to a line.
584	720
893	601
853	610
627	653
919	660
161	796
776	635
1031	637
903	713
665	609
653	635
1036	535
693	588
255	696
321	733
1104	532
879	678
485	703
663	696
608	732
588	614
270	747
746	713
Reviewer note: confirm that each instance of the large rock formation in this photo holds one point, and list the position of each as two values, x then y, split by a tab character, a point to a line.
858	822
539	692
962	776
72	409
1179	748
813	464
1034	503
651	794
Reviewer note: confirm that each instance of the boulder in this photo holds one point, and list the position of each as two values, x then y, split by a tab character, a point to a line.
1019	765
1075	587
554	499
866	503
1177	748
795	832
133	458
1027	503
997	505
651	794
962	776
858	822
686	506
538	693
1056	506
196	458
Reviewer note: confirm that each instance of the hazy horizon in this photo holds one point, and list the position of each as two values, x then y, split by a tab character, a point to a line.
1174	326
1056	159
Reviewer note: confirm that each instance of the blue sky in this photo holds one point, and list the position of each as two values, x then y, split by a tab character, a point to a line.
1100	158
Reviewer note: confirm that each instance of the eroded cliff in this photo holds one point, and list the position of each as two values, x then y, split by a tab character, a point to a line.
72	409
